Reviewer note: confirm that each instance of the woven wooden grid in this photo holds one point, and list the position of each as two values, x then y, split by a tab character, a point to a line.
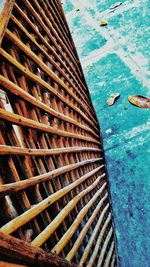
54	191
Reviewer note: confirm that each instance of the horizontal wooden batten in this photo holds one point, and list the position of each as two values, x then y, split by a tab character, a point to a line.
22	219
18	91
99	241
109	255
12	150
66	237
20	185
40	21
94	235
32	39
45	85
50	229
85	229
48	71
22	121
105	247
76	78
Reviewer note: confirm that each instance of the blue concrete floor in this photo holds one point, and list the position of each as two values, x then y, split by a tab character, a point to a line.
115	59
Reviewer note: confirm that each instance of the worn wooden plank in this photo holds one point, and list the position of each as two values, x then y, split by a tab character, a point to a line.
20	251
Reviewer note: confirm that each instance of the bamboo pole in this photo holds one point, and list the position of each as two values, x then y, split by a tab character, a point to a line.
98	243
85	229
5	12
47	70
19	92
67	236
45	85
22	121
94	234
104	248
38	208
109	255
22	184
12	150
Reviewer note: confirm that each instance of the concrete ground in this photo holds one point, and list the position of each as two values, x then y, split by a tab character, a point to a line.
115	58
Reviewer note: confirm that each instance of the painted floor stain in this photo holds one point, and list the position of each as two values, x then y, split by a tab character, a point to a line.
115	58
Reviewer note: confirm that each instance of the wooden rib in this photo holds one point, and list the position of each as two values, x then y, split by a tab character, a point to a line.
67	236
35	14
25	32
8	264
94	234
109	255
104	248
12	150
18	91
59	26
47	70
5	13
98	243
51	228
113	260
85	229
50	48
22	121
20	185
44	84
62	40
38	208
19	251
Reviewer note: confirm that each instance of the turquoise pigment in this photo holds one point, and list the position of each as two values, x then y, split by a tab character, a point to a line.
115	59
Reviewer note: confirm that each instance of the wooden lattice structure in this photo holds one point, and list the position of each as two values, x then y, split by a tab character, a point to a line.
54	190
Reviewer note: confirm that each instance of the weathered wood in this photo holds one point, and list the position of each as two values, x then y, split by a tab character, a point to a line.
45	85
85	229
94	234
34	211
20	185
8	264
21	252
12	150
64	240
5	13
21	120
19	92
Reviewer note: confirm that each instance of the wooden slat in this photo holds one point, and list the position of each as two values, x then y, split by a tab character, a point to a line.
66	237
34	211
104	248
12	150
45	85
94	234
20	185
97	246
22	121
5	12
18	91
85	229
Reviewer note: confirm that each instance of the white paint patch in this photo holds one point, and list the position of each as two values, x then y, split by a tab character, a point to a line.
139	129
97	54
114	38
109	130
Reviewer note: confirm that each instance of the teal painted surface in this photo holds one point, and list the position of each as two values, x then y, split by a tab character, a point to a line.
115	58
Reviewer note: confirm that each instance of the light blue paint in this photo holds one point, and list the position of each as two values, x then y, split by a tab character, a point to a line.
123	68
